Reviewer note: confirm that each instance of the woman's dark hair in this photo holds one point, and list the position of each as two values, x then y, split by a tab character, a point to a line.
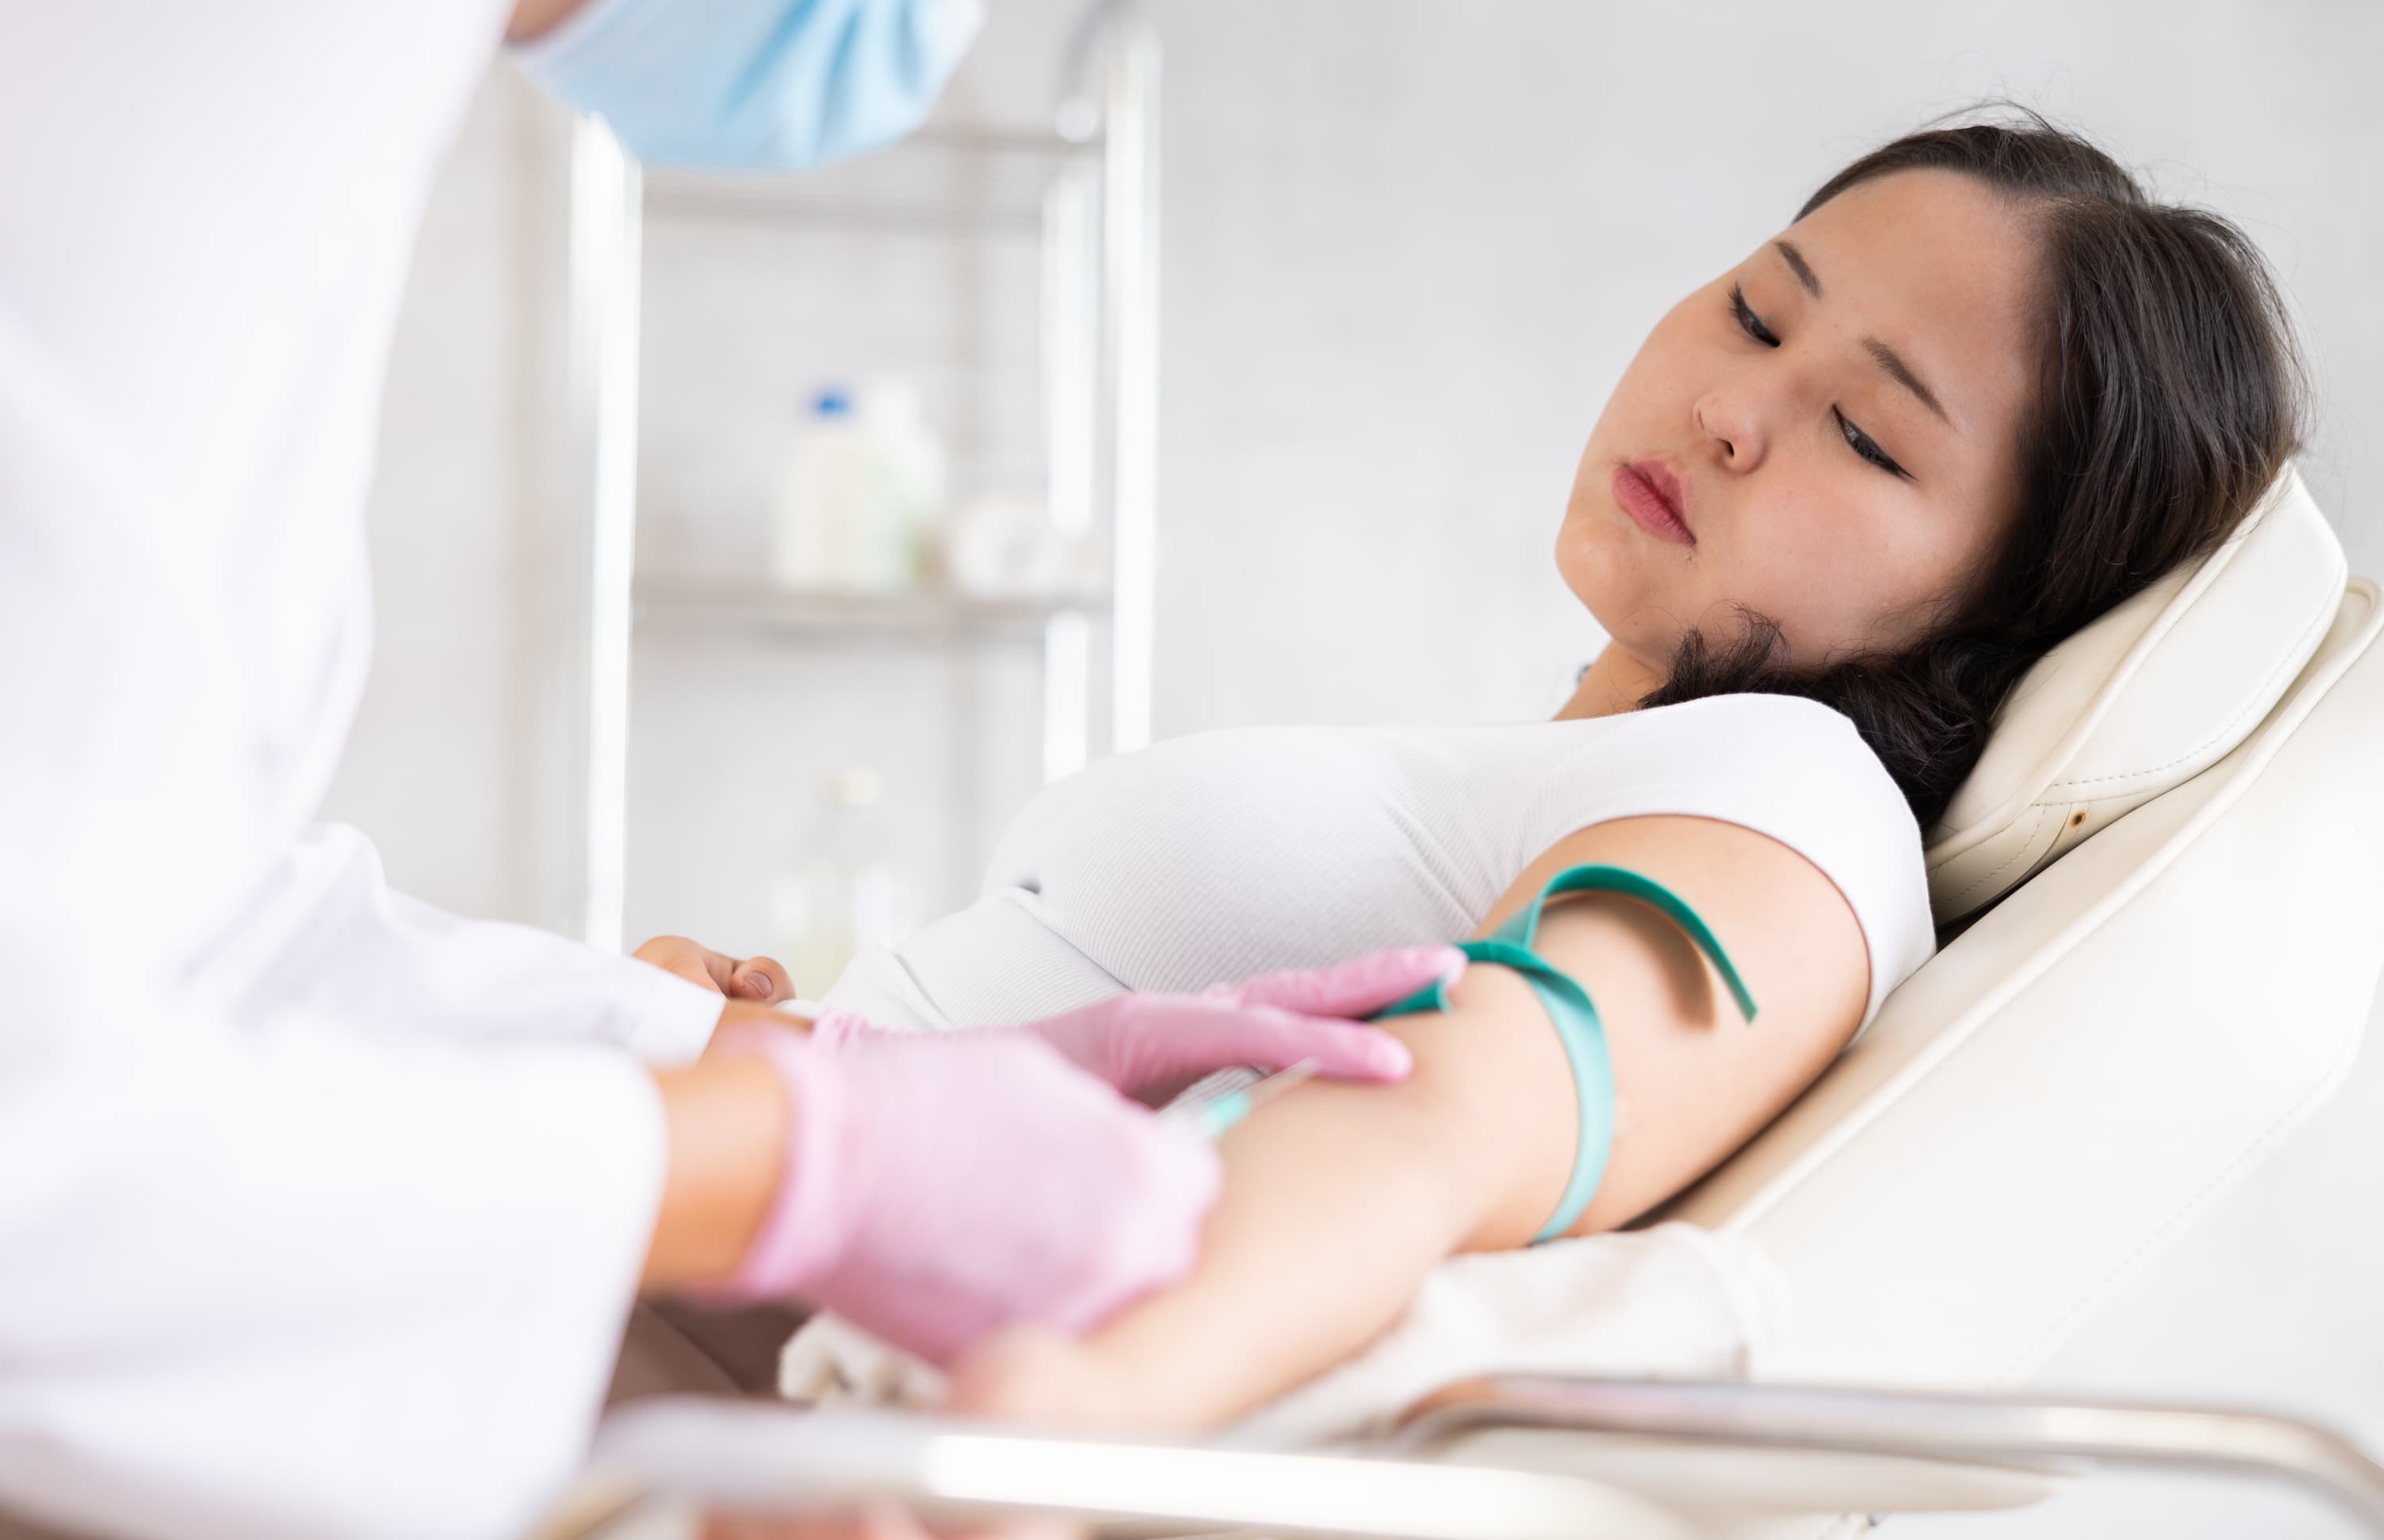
2171	398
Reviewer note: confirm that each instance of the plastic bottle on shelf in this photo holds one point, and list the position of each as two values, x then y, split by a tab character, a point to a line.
907	484
818	493
861	493
849	888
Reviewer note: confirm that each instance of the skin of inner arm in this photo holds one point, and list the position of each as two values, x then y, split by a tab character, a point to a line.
1339	1198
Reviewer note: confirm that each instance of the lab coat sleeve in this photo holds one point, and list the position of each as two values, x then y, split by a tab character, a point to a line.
265	1270
296	1281
325	931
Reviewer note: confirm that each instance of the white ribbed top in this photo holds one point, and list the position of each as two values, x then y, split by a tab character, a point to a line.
1229	853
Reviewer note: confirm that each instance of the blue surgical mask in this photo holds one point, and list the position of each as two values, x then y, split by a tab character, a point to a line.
754	84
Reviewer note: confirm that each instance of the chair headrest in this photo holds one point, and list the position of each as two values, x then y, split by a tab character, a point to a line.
2140	700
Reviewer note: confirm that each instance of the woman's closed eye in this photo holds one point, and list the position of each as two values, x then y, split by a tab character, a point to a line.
1860	442
1857	440
1748	321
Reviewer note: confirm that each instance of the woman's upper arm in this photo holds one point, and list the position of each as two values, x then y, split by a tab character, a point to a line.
1694	1078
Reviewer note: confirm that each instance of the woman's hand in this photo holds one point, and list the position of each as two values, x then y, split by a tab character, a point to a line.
759	979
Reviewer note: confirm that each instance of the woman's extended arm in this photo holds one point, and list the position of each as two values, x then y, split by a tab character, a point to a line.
1338	1200
846	1164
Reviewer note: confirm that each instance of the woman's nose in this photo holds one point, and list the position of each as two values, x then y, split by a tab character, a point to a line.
1729	418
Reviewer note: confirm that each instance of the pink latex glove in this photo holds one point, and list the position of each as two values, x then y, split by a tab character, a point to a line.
939	1186
1152	1046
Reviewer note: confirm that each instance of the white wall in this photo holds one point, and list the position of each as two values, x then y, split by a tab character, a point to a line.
434	764
1409	244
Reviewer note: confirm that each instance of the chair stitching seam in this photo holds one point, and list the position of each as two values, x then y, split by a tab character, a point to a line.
2172	613
2229	725
2035	824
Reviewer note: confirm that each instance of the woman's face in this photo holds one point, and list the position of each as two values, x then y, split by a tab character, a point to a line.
1827	434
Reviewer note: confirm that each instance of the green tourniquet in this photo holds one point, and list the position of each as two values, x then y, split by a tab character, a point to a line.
1568	1008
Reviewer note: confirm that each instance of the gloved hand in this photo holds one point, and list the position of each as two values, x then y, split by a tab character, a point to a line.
1152	1046
939	1186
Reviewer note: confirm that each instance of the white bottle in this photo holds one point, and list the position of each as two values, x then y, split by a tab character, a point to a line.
907	489
850	888
861	493
820	491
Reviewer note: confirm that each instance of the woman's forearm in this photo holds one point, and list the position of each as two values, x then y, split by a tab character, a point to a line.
1338	1201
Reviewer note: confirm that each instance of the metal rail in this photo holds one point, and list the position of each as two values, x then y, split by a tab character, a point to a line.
689	1453
699	1453
1975	1428
606	247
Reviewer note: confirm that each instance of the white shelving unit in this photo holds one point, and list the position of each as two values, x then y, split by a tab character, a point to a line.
1087	192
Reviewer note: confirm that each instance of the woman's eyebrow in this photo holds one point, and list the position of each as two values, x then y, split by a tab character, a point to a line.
1902	374
1887	357
1797	264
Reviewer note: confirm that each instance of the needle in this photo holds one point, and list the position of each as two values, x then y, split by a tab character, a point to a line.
1215	1114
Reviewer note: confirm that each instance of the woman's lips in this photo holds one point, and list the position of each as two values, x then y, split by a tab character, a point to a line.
1650	493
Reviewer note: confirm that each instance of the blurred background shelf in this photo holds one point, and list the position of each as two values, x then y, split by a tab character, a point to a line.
926	617
999	272
950	183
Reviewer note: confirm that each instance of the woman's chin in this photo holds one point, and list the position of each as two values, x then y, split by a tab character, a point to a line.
1596	569
1585	561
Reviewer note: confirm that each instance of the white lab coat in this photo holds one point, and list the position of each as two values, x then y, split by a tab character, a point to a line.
319	1210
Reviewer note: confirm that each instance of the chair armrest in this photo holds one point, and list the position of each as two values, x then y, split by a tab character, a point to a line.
1966	1433
697	1452
1460	1465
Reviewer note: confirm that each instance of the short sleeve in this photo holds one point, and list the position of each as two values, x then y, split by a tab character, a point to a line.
1786	767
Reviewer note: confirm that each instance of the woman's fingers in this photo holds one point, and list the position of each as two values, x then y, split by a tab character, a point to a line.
1358	987
761	978
690	961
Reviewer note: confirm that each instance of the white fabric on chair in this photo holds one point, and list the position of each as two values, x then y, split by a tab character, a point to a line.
1671	1301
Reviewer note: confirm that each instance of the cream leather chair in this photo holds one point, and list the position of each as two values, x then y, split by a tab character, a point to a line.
2182	816
2184	805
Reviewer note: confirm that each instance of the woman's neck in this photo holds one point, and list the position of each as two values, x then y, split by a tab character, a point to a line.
1615	683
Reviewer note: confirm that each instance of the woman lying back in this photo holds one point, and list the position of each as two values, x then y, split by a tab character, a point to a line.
1981	391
